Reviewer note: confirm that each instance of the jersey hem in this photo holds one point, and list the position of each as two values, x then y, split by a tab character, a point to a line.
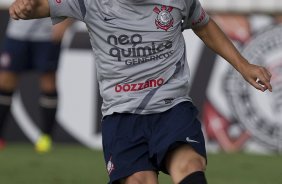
118	109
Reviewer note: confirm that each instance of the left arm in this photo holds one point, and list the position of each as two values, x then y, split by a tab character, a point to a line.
58	30
214	38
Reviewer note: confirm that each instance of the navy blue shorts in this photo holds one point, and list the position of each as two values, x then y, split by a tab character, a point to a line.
18	56
134	142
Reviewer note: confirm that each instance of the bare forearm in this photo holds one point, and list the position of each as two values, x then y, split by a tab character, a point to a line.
59	29
29	9
215	39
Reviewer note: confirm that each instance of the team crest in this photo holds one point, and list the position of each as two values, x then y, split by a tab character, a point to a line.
110	166
164	19
260	113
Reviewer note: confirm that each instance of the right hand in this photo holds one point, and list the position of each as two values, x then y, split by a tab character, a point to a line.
22	9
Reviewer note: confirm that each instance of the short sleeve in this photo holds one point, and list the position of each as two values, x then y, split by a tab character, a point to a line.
194	15
61	9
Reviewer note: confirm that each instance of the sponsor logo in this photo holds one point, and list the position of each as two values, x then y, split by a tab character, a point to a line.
164	19
139	86
136	61
132	50
168	100
191	140
106	19
260	113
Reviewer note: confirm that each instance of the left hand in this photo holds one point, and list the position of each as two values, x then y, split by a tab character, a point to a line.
257	76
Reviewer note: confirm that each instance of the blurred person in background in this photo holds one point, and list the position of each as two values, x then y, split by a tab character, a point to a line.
31	45
150	123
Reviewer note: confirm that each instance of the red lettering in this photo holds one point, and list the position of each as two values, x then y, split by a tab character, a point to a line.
139	86
118	88
202	17
147	84
160	82
133	87
153	83
126	87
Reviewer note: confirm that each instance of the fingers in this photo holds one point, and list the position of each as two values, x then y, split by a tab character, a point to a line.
268	72
18	9
12	12
21	9
264	84
257	85
265	73
262	79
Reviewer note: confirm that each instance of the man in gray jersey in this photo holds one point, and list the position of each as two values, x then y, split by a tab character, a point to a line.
31	44
149	123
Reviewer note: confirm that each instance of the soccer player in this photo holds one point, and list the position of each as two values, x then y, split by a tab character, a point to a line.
31	44
149	121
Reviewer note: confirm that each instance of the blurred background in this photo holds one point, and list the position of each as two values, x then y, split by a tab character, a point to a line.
242	126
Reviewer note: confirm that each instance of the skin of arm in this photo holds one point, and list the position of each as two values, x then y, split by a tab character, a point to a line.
211	34
59	29
214	38
29	9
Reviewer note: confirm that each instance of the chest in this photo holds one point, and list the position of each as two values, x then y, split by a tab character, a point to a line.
143	16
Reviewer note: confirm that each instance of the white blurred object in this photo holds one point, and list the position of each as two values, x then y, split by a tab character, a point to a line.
243	6
236	6
5	3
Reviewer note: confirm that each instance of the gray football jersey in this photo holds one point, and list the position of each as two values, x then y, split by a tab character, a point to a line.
139	49
31	30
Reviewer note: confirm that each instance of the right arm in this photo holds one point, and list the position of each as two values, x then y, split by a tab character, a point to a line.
29	9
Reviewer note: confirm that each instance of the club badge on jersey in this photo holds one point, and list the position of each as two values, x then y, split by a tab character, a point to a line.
164	19
110	166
